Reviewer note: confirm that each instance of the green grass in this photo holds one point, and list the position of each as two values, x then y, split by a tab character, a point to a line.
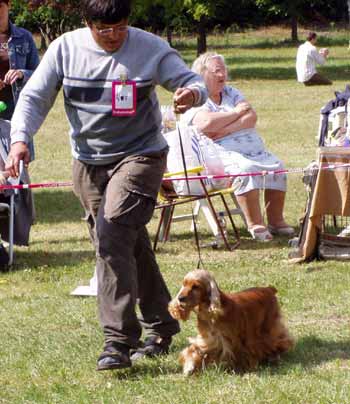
49	341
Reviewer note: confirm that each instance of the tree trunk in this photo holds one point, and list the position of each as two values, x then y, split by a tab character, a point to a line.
43	46
201	37
169	34
44	42
294	27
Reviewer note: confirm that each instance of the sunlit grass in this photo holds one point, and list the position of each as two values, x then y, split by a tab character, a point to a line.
50	340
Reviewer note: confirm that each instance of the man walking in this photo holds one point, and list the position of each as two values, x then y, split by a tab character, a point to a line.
109	72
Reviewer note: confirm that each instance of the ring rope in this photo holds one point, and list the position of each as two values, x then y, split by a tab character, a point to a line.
263	173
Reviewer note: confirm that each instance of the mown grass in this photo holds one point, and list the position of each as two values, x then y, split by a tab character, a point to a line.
49	340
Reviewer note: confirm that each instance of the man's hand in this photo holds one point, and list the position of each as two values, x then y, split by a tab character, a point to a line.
19	151
12	75
184	99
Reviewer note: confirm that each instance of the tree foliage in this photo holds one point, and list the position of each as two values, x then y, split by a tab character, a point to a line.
53	17
285	8
304	11
201	11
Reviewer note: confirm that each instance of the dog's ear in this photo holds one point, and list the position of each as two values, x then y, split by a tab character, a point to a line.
215	308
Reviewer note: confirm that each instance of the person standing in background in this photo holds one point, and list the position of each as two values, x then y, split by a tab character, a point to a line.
307	58
18	59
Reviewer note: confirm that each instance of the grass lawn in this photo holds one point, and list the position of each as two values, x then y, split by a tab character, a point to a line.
49	341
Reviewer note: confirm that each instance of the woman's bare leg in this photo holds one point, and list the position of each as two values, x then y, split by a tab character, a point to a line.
250	205
274	204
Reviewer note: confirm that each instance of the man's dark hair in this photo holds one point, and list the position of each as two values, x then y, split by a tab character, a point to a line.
106	11
311	35
4	1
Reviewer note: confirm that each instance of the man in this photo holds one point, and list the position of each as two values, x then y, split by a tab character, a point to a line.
109	71
307	58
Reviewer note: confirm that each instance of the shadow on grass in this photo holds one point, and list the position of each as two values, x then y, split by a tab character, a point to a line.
269	68
229	43
148	368
258	60
36	260
67	240
334	73
53	206
309	352
205	240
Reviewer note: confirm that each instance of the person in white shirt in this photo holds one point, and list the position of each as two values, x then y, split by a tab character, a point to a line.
307	58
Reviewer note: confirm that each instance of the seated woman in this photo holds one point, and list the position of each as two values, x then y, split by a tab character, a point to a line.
229	120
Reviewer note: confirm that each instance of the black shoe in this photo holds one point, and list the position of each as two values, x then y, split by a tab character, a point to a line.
4	259
114	356
153	346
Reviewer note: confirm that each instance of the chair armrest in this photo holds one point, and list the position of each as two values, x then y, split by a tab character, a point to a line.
194	170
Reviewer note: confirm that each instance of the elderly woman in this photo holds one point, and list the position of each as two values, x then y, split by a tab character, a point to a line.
229	120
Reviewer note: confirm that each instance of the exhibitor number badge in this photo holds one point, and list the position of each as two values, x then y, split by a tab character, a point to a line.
123	98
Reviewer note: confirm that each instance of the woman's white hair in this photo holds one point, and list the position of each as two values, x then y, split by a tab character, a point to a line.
201	63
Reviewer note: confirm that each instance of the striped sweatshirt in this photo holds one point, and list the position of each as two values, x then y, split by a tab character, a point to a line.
85	71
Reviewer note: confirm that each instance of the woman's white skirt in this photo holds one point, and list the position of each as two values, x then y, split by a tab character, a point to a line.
244	152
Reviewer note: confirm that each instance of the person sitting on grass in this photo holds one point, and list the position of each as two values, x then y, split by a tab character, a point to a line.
229	120
307	58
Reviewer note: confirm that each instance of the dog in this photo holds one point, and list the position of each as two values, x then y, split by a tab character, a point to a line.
239	330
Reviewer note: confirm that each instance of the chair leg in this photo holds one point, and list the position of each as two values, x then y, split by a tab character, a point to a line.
208	214
163	228
166	216
228	246
196	210
239	210
234	228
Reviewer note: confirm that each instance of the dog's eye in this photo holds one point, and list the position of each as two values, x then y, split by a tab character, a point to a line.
195	287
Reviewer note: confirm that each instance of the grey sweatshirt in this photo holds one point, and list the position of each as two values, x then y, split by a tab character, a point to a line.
86	72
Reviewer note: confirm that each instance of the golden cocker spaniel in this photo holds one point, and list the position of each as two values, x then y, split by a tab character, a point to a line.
239	330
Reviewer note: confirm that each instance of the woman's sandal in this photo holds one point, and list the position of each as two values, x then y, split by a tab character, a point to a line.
260	233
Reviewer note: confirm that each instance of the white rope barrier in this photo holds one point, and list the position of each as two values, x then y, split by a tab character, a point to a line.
191	178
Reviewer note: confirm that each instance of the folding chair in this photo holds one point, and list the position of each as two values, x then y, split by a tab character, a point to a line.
202	206
168	200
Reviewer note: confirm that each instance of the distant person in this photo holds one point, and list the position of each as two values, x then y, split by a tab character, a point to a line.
18	59
307	58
